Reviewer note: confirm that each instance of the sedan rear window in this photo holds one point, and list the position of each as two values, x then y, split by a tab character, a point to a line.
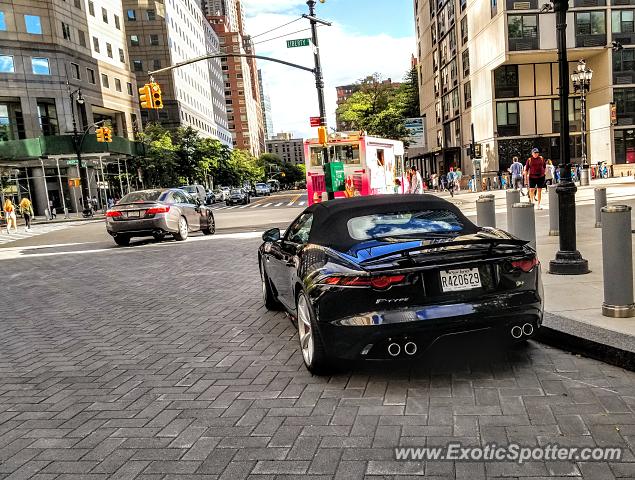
143	196
403	224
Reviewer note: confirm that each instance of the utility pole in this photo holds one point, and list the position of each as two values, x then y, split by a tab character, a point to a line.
77	142
568	259
319	79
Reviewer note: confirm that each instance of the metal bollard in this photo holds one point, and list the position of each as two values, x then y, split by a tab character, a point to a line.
524	222
600	202
486	211
511	197
554	212
585	175
617	262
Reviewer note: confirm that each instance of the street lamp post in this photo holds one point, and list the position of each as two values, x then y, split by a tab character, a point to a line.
77	142
568	259
581	79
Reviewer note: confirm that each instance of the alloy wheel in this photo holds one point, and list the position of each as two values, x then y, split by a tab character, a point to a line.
182	227
305	331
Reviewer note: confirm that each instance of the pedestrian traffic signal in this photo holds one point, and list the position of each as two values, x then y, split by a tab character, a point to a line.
107	134
156	98
478	152
100	135
322	135
145	96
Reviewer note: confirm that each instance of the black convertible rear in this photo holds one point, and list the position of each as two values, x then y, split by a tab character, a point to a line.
386	276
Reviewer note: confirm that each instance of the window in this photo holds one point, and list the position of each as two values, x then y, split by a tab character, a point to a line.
299	231
154	39
467	94
523	26
397	224
104	81
82	37
66	31
464	30
151	15
104	15
109	49
122	57
96	44
91	75
129	87
3	22
117	22
507	118
91	8
6	64
624	66
590	23
75	71
625	101
134	40
575	114
156	64
117	84
40	66
33	24
622	21
506	81
465	59
137	65
47	115
78	4
132	15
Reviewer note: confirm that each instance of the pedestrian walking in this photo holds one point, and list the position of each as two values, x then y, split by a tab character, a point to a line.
416	182
26	209
435	182
451	181
550	173
516	171
535	169
52	210
458	175
9	214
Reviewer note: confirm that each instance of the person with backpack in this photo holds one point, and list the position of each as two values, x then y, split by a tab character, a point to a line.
26	209
535	169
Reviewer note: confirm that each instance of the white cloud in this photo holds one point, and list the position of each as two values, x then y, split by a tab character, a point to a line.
346	57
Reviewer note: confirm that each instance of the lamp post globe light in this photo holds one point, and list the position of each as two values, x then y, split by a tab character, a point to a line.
581	80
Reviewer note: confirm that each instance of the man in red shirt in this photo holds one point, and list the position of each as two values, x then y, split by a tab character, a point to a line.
535	169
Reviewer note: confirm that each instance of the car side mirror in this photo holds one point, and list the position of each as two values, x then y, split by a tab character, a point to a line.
271	235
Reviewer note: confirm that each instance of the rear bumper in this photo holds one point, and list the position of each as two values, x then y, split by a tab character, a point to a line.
368	335
142	227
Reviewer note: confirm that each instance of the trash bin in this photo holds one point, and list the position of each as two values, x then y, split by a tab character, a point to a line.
584	175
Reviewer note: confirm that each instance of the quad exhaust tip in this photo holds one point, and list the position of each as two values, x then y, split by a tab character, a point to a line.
394	349
410	348
528	329
516	331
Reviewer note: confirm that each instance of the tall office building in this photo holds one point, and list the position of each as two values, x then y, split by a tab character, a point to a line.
265	105
50	49
240	75
162	33
494	66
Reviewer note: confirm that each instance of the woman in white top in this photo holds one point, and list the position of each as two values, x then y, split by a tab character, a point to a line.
549	173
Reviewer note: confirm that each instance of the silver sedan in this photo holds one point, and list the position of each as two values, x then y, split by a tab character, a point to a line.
158	213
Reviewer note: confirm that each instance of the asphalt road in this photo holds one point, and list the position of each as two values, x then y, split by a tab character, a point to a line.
159	361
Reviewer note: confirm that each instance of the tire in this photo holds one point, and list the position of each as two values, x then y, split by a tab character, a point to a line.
269	299
311	344
183	232
211	225
122	240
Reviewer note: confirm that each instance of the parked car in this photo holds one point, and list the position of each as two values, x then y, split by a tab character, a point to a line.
237	196
274	185
197	191
220	194
386	276
262	189
158	213
210	198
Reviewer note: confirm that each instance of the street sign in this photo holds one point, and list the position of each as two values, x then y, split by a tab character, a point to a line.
71	162
299	42
315	121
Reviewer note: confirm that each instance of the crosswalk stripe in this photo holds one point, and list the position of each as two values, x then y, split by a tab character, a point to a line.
266	205
278	204
244	206
301	203
255	205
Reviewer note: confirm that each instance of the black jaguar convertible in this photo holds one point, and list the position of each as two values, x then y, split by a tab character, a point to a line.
386	276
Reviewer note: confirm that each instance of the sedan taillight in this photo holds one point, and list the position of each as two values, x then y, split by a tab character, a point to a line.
155	210
526	264
380	282
113	213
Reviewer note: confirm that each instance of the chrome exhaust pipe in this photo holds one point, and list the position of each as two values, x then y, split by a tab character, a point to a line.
394	349
516	331
410	348
528	329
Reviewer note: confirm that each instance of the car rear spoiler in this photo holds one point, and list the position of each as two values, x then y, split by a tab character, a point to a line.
492	242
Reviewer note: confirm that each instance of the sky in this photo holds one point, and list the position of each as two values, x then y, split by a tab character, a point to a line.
367	36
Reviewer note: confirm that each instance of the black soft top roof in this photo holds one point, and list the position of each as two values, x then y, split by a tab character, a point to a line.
330	218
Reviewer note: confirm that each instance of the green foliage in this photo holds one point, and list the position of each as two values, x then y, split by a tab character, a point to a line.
285	173
381	108
182	156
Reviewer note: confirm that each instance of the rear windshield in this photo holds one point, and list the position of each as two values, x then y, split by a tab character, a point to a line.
143	196
190	189
403	224
236	192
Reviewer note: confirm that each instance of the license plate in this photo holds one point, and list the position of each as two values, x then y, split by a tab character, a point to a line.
134	214
460	279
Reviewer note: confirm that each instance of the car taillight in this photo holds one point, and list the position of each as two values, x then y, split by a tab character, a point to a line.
155	210
113	213
380	282
526	264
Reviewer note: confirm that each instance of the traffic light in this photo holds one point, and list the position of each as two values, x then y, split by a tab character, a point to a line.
322	135
107	133
157	100
145	96
100	135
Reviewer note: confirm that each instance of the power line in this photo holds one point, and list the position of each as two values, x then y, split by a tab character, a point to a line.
276	28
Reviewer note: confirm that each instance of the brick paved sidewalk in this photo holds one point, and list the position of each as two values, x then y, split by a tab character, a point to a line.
161	363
